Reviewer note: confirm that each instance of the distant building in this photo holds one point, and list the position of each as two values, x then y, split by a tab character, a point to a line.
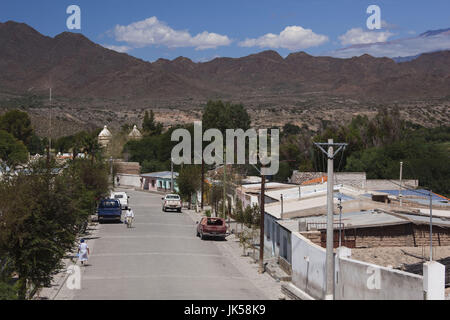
104	137
159	181
135	134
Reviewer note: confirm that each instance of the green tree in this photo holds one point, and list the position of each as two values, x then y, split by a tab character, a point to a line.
43	209
188	181
18	124
222	116
149	126
36	145
38	224
12	151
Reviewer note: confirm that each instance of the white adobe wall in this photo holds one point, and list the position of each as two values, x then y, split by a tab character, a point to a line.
130	180
308	266
357	280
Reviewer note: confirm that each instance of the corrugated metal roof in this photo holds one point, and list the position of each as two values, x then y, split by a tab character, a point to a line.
363	219
161	175
367	219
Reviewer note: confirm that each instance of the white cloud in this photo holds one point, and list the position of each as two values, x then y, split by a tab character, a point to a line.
151	31
388	25
117	48
207	59
360	36
397	48
292	38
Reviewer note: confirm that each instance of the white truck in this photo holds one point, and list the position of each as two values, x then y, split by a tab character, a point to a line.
171	201
122	197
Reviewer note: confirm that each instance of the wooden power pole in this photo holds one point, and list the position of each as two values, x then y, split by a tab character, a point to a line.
261	224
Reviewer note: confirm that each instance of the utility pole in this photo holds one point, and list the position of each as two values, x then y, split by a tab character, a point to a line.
49	131
329	293
340	219
261	224
111	170
224	188
203	181
431	225
400	191
281	200
171	171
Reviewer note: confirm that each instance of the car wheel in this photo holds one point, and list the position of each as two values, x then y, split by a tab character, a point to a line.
202	236
179	210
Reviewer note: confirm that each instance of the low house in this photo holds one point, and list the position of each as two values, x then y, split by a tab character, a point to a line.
159	181
249	193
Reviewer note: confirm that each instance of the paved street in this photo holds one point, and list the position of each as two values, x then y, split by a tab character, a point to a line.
159	258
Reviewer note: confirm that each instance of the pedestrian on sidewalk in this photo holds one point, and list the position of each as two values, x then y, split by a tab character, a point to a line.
83	251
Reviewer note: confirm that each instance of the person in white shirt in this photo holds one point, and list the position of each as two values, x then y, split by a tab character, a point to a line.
129	216
83	251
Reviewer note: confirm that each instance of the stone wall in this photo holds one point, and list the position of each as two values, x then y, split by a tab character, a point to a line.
127	168
353	179
299	177
404	235
384	184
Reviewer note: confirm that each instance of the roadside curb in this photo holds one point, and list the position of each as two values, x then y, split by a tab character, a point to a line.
295	293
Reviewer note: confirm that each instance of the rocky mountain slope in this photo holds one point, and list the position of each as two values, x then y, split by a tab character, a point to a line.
93	86
76	67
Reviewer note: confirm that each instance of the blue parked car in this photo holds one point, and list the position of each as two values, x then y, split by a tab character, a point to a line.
109	209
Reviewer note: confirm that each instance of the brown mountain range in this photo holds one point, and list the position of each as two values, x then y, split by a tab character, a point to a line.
93	86
76	67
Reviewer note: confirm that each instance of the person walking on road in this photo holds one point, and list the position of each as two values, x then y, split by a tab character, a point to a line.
83	251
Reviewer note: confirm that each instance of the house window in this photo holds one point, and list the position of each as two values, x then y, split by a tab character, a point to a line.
268	228
153	183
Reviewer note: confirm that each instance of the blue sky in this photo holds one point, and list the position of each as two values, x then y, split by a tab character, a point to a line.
201	30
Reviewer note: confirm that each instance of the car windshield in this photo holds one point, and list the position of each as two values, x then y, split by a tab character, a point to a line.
108	204
173	197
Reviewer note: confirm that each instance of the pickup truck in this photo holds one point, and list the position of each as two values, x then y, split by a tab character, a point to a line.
122	197
109	209
211	227
171	201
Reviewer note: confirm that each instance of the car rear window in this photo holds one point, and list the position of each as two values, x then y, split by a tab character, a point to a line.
173	197
118	196
108	204
214	222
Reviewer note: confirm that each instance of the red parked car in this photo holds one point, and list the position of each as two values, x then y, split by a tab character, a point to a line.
211	227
